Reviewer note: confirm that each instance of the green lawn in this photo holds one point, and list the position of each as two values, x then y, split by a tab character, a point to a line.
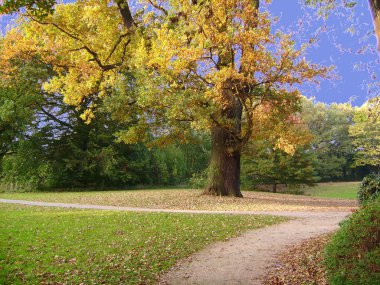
342	190
65	246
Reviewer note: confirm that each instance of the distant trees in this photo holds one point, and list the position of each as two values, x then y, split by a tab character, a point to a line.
332	146
365	133
268	166
341	144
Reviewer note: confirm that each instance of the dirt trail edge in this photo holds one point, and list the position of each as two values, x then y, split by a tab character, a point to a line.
245	259
241	260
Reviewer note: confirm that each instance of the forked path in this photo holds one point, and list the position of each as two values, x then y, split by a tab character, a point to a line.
241	260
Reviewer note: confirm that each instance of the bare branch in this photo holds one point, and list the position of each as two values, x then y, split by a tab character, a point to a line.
158	7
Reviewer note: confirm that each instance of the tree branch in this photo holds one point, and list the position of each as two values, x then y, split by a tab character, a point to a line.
54	118
95	56
125	13
158	7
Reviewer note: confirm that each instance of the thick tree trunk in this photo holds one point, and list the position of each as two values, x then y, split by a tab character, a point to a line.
224	175
224	171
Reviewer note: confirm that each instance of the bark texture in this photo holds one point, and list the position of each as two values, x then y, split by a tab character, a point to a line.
125	13
224	173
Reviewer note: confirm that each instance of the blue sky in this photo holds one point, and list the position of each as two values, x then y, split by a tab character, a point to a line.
357	71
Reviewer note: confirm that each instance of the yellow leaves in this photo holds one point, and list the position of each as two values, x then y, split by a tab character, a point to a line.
188	63
87	116
77	41
286	133
133	135
75	85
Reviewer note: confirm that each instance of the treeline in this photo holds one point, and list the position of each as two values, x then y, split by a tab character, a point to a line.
343	145
46	144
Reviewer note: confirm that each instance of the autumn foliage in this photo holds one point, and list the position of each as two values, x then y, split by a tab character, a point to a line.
214	66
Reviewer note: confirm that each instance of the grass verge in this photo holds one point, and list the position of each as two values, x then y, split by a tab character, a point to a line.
353	255
64	246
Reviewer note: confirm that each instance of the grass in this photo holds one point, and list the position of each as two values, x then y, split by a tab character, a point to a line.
190	200
65	246
339	190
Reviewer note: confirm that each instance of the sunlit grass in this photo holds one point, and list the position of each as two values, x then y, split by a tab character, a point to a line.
340	190
61	246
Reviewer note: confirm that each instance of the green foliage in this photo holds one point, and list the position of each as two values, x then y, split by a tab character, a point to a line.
45	144
352	257
18	102
39	8
365	133
198	180
369	188
332	144
96	247
27	169
262	164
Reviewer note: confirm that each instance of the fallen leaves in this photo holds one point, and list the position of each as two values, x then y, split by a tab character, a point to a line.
300	265
193	200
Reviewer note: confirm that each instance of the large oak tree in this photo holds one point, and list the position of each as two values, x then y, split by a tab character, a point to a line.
205	65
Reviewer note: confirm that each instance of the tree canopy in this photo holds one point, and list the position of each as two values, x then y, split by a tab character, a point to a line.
180	66
164	72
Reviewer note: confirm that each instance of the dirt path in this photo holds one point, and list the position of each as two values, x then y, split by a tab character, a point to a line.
241	260
245	259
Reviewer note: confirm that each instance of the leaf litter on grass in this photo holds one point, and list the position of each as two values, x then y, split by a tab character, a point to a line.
193	200
301	264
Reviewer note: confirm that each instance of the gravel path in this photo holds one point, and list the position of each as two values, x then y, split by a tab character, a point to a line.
241	260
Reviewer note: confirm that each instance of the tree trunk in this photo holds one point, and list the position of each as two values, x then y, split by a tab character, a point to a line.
274	188
224	170
375	9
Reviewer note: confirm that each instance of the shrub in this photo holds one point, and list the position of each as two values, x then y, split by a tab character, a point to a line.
352	257
198	180
370	188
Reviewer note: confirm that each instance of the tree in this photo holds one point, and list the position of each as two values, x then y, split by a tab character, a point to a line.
266	162
332	144
270	166
366	134
204	65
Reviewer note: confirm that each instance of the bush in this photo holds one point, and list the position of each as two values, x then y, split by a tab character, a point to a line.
352	257
198	180
370	188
